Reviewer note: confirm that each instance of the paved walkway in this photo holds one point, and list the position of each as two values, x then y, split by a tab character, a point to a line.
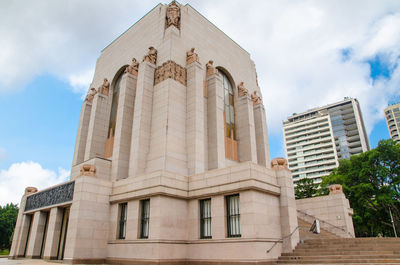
5	261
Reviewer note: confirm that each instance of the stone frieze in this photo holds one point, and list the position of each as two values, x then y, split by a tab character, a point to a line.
170	69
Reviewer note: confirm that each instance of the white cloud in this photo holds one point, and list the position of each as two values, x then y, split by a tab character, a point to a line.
81	81
18	176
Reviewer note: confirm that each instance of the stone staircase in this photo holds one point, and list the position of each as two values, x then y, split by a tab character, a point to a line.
344	251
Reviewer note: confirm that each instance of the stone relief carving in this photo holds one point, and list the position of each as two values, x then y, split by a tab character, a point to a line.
30	190
105	87
256	99
279	163
191	57
242	91
170	69
90	94
56	195
88	170
335	189
173	15
210	69
133	68
151	56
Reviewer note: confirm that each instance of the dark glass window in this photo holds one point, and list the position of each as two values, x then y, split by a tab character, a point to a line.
114	107
145	218
229	109
122	220
233	215
205	218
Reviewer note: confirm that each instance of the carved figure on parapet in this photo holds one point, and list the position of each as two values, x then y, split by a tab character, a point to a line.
173	15
191	57
105	87
242	91
256	99
335	189
30	190
210	69
151	56
133	68
279	163
90	94
88	170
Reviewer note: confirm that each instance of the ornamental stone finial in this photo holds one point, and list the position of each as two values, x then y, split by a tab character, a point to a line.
133	68
191	57
30	190
210	69
88	170
151	55
242	91
279	163
335	189
256	99
105	87
90	94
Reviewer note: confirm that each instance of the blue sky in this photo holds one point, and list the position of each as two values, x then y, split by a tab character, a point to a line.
307	53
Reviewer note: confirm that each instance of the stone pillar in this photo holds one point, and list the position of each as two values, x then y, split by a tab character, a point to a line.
36	235
53	233
98	126
260	123
81	137
215	117
195	118
287	202
245	129
123	128
141	127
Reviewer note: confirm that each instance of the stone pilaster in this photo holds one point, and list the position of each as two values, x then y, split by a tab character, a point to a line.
141	127
81	137
215	118
123	129
287	205
260	122
36	235
195	119
98	126
53	233
245	129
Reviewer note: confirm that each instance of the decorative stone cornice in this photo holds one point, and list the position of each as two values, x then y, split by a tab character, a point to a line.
242	91
104	88
256	99
210	69
90	94
151	55
279	163
191	57
170	69
173	17
133	68
88	170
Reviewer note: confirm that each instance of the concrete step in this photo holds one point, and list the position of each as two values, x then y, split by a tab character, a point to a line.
387	256
345	261
344	252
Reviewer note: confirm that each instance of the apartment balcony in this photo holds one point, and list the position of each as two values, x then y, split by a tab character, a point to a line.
306	131
348	116
353	138
349	121
354	151
306	139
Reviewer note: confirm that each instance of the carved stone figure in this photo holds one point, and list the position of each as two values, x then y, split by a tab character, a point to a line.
30	190
133	68
151	55
90	94
242	91
172	70
88	170
256	99
335	189
105	87
210	69
173	15
279	163
191	56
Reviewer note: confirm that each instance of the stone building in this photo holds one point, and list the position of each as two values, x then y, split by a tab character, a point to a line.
171	163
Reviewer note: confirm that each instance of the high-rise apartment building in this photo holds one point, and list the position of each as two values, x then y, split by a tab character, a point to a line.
316	139
392	115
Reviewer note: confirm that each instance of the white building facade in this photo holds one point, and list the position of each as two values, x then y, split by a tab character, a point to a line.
392	115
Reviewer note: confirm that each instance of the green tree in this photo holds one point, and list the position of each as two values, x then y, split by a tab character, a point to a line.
305	188
371	182
8	218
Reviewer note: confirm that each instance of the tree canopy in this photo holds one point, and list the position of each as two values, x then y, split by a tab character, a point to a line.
371	182
8	218
305	188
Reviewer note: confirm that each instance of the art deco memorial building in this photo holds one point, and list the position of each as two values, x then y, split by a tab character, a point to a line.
171	163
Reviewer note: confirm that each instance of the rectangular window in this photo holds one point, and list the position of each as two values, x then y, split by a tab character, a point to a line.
145	218
233	215
122	220
205	218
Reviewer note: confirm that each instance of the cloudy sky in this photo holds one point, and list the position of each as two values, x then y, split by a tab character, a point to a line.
307	53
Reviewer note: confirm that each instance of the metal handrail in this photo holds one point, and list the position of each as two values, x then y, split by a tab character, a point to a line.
279	241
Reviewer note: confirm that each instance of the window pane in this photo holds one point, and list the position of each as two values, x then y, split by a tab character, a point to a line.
205	218
122	220
233	216
145	218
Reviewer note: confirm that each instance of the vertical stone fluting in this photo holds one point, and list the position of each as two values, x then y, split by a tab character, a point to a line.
36	235
81	137
53	233
263	157
98	126
195	119
246	129
215	113
141	127
123	129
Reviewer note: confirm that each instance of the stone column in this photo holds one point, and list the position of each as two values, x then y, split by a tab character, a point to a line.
195	118
245	129
81	137
141	127
215	117
98	126
123	128
53	233
287	202
260	123
36	235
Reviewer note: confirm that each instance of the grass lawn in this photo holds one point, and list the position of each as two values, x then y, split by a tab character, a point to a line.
4	252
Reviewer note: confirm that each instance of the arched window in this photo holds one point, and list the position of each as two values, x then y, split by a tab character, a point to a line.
229	116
